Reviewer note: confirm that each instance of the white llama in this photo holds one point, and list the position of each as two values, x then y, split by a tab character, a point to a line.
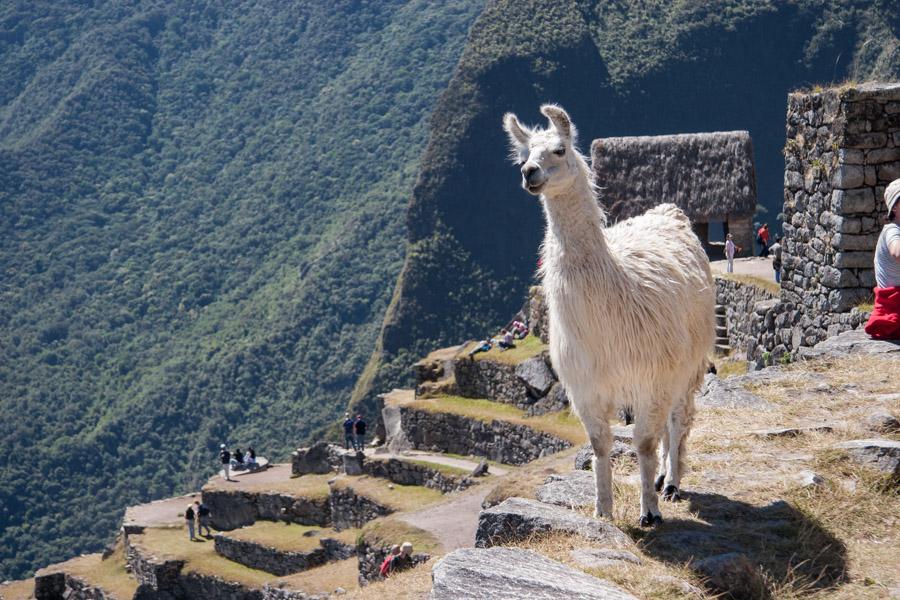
631	310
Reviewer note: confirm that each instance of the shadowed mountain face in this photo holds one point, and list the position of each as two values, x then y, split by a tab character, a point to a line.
619	68
201	218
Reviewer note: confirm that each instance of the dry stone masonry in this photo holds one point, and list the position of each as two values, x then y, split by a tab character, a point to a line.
277	561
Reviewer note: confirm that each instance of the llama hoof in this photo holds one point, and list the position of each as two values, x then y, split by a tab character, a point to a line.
659	483
672	494
650	520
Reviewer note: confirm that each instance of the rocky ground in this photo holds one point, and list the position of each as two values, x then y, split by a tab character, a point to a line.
792	492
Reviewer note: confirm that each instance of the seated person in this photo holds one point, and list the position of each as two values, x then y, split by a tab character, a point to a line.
250	459
402	561
237	460
483	346
520	330
506	340
884	322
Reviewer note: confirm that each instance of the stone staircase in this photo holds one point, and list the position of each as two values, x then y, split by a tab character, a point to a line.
722	346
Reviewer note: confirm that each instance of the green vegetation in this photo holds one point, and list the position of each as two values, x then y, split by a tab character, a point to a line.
290	536
562	424
201	217
525	349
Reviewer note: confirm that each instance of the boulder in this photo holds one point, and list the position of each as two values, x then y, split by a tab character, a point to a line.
353	462
598	558
513	574
727	393
882	455
520	518
397	442
619	450
320	458
556	400
791	431
481	470
881	421
536	376
847	343
572	489
733	575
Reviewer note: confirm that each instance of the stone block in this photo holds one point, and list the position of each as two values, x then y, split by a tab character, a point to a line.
882	155
848	241
536	376
888	172
838	278
793	180
857	201
846	224
847	176
870	177
865	140
896	136
512	574
882	455
850	156
853	260
892	108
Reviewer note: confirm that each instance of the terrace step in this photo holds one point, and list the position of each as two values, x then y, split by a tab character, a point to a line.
284	549
720	309
722	349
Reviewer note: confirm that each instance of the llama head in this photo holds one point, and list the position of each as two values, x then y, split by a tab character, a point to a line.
547	157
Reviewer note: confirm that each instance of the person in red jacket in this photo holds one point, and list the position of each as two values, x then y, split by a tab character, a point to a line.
762	238
884	322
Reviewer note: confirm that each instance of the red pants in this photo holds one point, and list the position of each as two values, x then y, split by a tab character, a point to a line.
884	322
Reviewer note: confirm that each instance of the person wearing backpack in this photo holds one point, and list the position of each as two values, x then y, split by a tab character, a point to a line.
225	459
349	440
202	511
189	521
385	569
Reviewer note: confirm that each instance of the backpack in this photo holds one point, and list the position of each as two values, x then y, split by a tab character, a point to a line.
386	566
189	514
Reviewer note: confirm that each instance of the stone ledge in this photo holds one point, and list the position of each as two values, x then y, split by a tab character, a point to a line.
406	473
280	562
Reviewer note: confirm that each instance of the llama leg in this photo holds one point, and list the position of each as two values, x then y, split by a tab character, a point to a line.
680	422
601	442
646	439
663	462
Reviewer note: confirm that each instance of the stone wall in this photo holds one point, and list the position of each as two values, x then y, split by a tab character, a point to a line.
843	148
739	300
538	315
280	562
498	440
64	586
319	458
405	473
230	510
371	557
350	510
490	380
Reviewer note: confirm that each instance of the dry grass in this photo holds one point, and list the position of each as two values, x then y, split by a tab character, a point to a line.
525	348
563	424
390	530
766	284
726	366
306	486
524	481
325	579
17	590
414	584
290	537
107	574
392	495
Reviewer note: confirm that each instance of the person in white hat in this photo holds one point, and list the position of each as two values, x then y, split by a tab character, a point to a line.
884	322
225	459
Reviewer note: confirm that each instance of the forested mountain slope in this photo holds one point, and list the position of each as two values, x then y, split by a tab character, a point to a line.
620	67
201	221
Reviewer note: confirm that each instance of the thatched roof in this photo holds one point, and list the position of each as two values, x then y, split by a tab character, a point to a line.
708	175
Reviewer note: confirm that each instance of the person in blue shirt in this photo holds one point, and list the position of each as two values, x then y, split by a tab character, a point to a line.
349	438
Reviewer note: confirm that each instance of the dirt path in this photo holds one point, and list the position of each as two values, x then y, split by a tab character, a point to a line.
755	267
453	523
159	513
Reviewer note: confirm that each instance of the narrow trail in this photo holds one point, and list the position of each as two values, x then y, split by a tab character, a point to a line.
439	459
453	523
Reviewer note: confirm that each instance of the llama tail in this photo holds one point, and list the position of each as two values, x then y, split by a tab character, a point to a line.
673	212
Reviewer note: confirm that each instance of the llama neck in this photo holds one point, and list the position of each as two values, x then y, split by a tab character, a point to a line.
575	224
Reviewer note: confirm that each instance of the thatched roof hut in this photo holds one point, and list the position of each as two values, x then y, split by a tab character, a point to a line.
710	176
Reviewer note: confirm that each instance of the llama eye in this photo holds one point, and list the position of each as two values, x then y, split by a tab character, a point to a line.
559	151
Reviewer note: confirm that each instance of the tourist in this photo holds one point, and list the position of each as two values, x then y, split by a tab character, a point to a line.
202	518
237	459
729	252
884	322
506	340
385	568
519	330
349	440
225	459
359	428
189	520
483	346
250	459
762	238
775	251
402	561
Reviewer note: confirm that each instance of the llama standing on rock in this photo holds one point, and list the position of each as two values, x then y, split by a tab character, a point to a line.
631	310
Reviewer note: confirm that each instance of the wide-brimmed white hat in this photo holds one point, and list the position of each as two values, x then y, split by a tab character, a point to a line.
892	194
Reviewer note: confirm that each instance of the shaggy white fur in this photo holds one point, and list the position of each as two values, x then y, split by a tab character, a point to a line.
631	310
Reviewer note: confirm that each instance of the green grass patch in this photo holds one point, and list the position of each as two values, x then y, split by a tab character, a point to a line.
290	537
563	424
392	495
525	348
389	531
200	557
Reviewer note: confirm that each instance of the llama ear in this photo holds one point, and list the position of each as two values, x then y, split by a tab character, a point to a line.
518	133
559	119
